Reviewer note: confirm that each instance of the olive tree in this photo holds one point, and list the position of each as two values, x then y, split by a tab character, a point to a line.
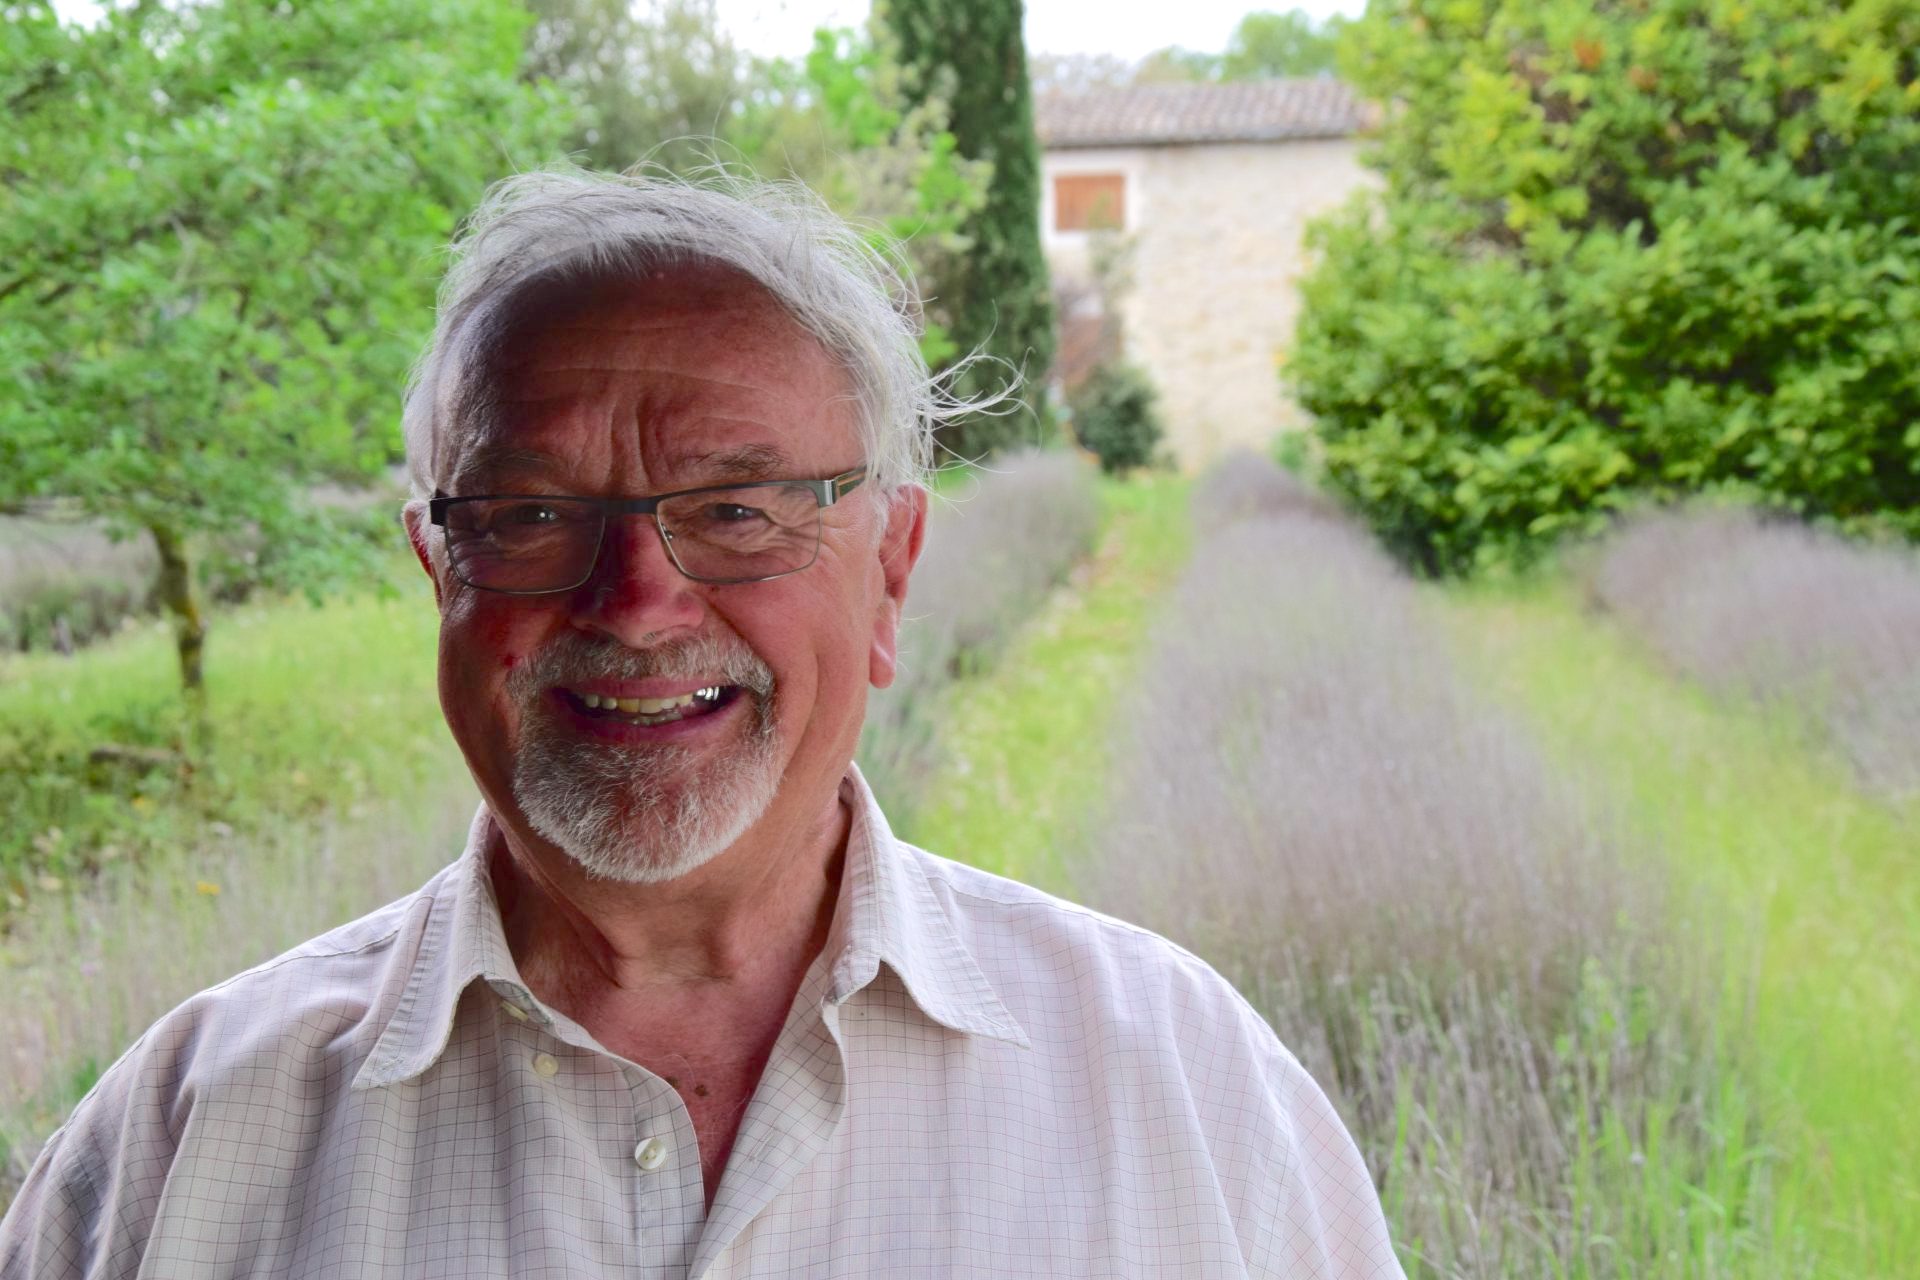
217	233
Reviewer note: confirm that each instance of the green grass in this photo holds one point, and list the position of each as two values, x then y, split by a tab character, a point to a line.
1824	880
1026	746
311	710
329	785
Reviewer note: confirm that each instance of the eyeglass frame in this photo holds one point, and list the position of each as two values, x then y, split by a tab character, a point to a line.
825	494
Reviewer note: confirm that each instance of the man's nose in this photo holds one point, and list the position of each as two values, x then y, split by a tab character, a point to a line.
636	589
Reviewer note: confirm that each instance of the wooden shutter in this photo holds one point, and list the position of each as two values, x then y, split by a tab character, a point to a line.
1090	202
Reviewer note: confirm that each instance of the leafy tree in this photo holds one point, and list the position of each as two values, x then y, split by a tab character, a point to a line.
1268	45
655	83
1264	46
217	227
842	121
1177	65
1624	249
970	54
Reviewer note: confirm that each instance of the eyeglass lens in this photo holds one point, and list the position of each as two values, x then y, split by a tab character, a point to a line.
550	544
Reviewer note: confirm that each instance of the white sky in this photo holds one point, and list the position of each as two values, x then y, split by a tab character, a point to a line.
1130	29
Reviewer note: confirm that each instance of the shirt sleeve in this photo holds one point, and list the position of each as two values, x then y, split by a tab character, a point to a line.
1303	1204
1329	1215
87	1205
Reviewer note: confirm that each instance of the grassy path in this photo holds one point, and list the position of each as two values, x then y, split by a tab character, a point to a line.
1822	882
1027	745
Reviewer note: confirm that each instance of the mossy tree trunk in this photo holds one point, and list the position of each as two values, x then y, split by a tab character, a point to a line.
180	596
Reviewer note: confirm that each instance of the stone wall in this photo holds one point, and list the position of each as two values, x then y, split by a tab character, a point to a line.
1217	245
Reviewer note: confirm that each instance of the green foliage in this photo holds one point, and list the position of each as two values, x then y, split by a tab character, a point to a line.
1115	417
1267	45
654	82
1644	246
970	54
1177	65
313	711
217	228
841	121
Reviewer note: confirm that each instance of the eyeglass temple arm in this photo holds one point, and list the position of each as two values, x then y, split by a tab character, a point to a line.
840	486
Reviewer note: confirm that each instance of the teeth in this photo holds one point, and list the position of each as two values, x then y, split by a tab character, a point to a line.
654	706
648	706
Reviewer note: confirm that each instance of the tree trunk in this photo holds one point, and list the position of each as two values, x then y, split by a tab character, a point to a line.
181	596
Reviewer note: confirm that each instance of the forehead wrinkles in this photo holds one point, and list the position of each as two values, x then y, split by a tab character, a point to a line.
686	333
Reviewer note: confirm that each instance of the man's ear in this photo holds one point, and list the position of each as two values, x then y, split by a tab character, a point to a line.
899	551
414	517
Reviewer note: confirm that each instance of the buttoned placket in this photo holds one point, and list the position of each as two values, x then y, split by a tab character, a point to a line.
666	1194
793	1115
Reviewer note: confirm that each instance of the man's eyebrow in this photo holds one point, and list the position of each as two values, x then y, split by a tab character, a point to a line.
487	458
749	462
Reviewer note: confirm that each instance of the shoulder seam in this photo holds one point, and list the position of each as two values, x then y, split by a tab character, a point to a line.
304	951
1042	899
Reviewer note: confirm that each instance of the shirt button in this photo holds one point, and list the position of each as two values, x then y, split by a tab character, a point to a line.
650	1154
544	1066
514	1011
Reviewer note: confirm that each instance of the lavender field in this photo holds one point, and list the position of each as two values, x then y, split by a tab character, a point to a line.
1591	901
1604	946
1460	943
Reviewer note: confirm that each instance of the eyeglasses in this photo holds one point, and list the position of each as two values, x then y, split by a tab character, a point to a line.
532	545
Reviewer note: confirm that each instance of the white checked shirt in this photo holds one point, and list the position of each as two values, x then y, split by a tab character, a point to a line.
974	1079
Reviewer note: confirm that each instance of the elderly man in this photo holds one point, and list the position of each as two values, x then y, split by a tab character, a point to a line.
684	1006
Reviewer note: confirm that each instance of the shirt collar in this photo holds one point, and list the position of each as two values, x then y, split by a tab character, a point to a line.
889	912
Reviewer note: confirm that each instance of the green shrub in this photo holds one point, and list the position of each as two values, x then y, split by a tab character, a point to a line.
1651	247
1116	418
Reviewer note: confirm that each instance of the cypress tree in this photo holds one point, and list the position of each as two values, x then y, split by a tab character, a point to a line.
971	55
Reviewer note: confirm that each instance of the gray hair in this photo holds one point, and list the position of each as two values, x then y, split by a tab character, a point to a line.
853	295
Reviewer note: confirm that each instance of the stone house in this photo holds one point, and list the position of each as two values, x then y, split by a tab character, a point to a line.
1208	189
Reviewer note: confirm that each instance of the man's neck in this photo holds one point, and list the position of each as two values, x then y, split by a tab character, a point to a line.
692	979
753	917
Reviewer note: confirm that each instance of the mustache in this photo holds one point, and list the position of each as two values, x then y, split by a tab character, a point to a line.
575	657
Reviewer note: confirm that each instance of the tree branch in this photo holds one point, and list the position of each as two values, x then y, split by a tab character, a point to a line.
90	260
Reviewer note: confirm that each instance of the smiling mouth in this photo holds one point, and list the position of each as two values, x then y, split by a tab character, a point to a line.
652	711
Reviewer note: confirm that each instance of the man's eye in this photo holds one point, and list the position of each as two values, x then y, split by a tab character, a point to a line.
733	513
530	513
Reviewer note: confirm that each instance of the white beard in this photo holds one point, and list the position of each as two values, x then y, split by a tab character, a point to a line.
641	814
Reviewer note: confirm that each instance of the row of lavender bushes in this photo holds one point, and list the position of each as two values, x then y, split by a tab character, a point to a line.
66	583
996	545
1822	630
1460	946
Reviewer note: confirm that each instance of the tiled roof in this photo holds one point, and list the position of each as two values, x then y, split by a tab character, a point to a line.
1160	114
